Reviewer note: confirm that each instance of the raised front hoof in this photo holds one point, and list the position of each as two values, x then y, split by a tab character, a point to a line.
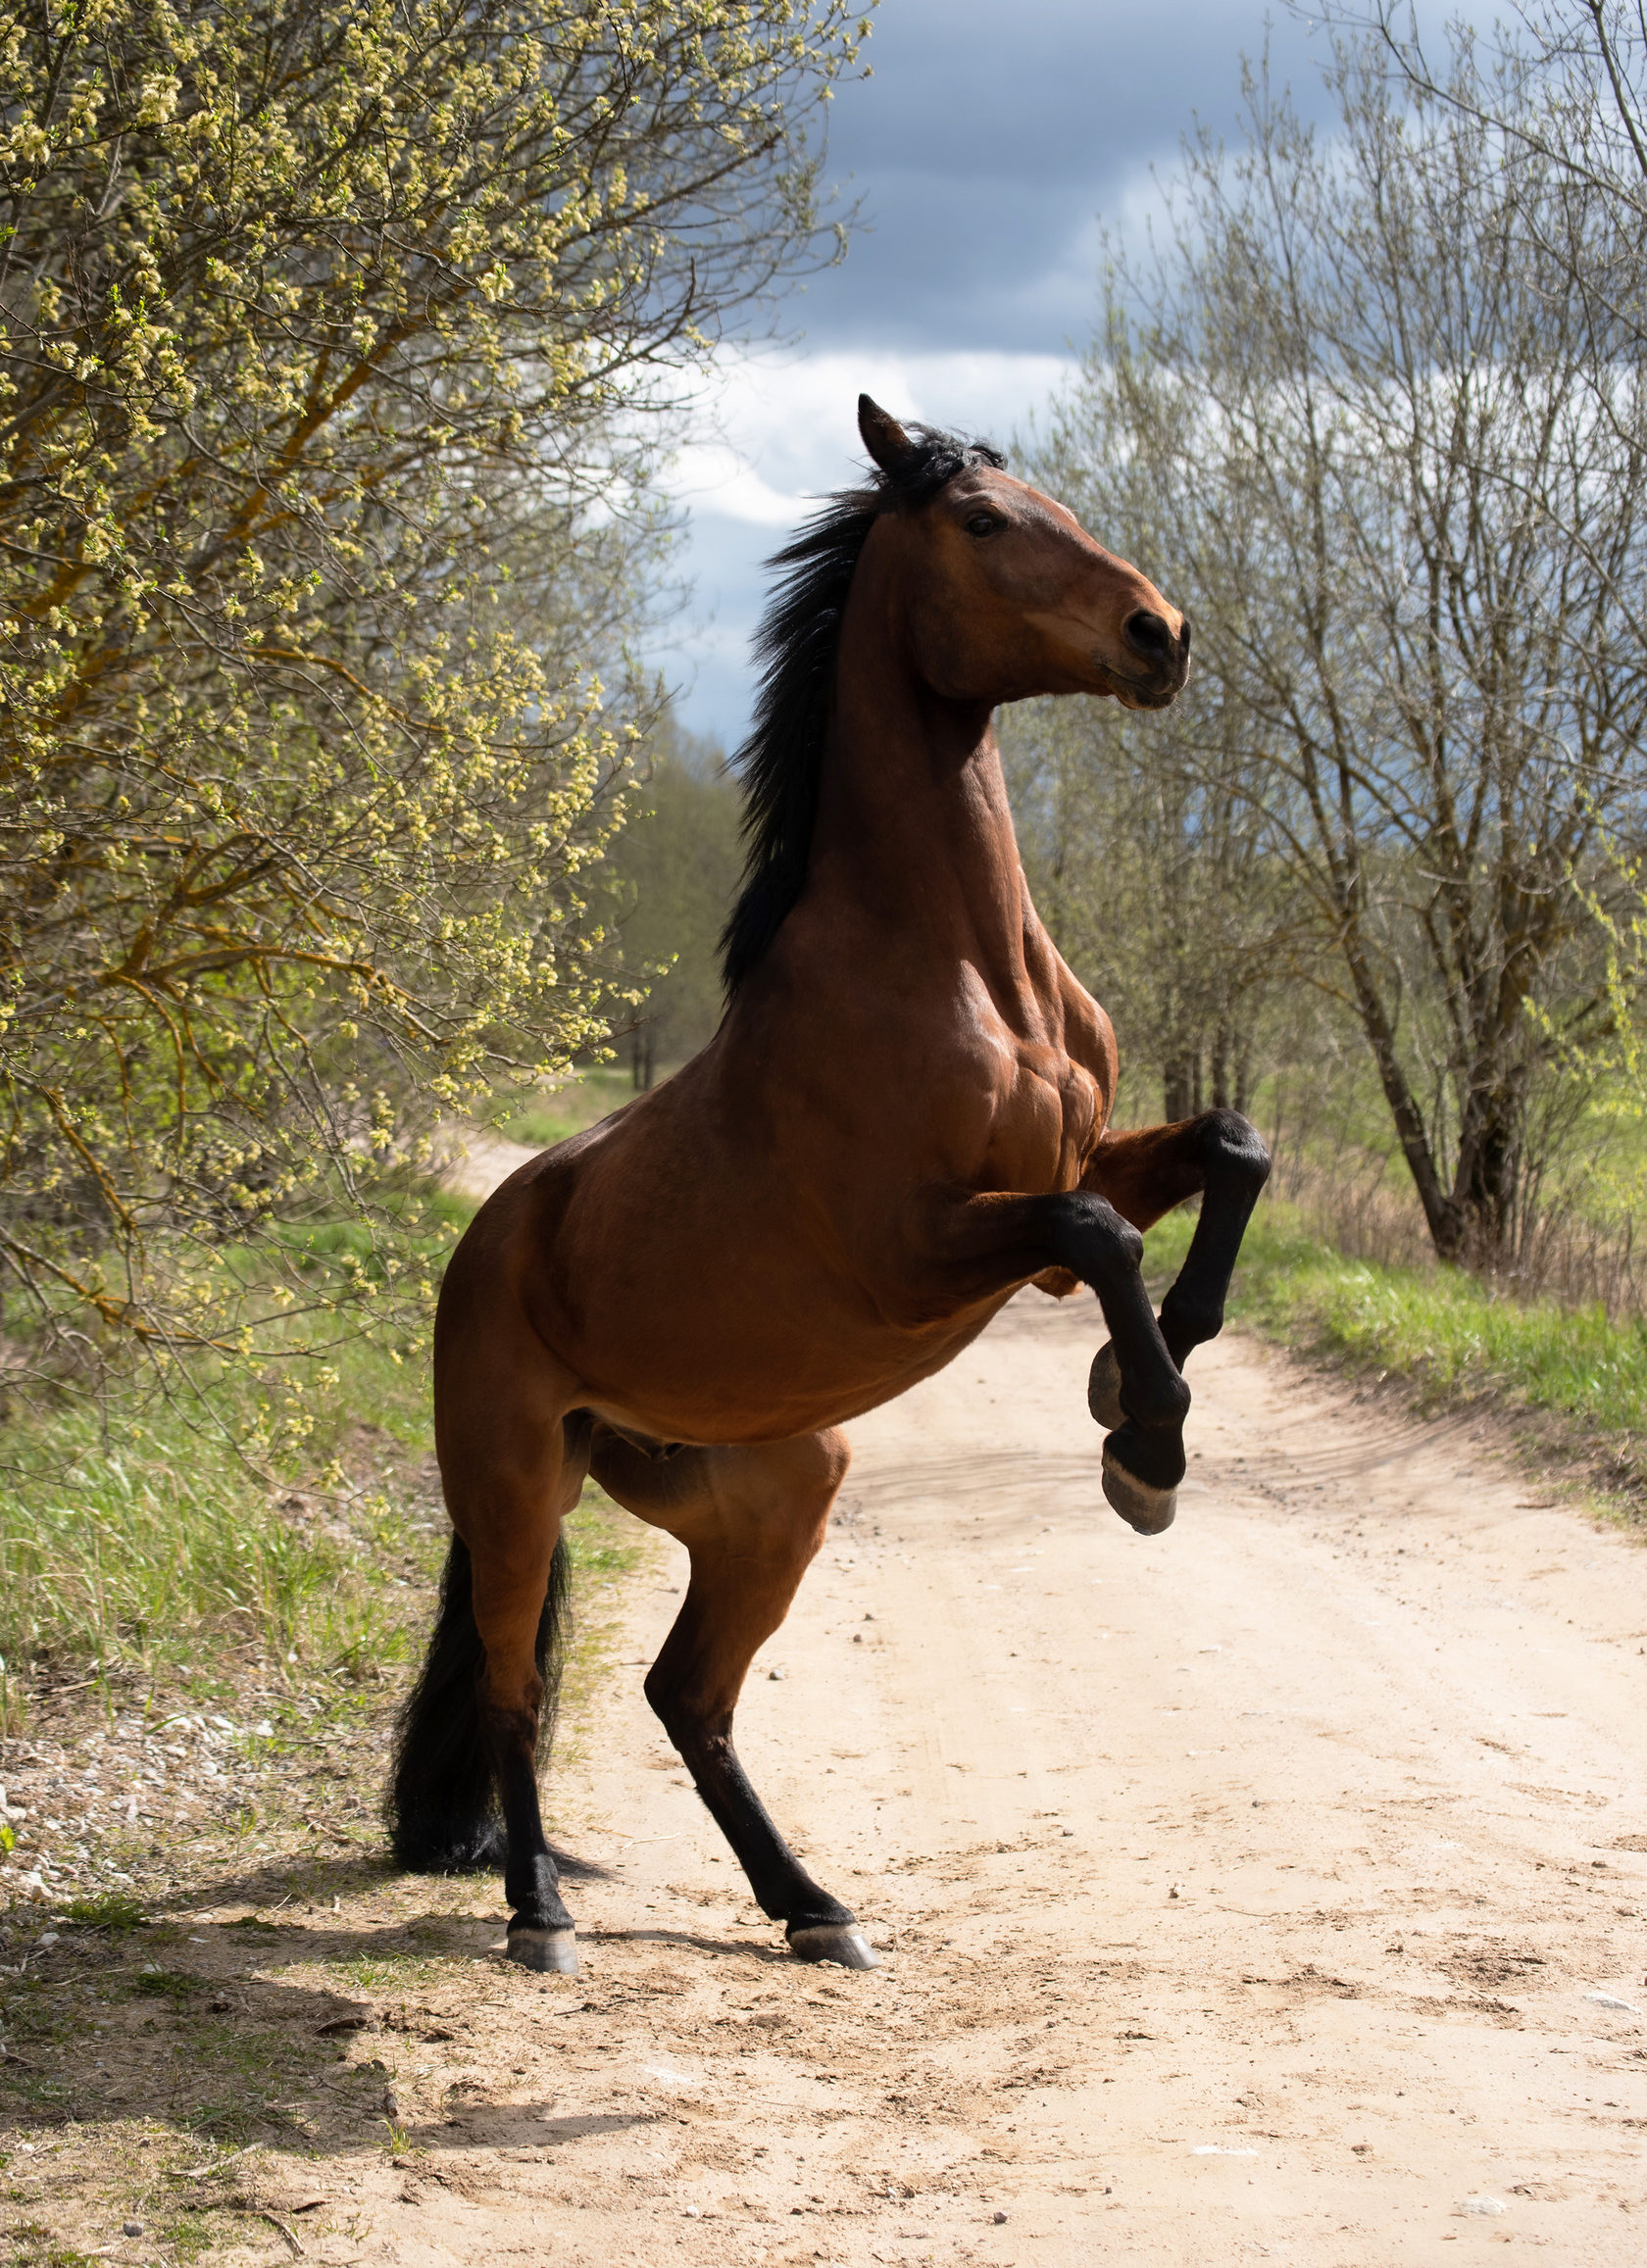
843	1942
552	1952
1103	1390
1148	1509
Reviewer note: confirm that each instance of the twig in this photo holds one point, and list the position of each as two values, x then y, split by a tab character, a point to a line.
263	2213
195	2172
339	1834
254	2211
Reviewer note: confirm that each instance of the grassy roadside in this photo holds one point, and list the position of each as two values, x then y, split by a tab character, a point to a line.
214	1986
1573	1384
189	1647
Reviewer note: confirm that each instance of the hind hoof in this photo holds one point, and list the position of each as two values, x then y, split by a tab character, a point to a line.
1103	1390
1148	1509
553	1953
831	1940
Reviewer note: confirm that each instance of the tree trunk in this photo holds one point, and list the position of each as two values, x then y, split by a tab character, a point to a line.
1443	1216
1220	1067
1484	1185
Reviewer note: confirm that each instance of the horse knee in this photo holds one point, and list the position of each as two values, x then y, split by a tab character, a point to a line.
508	1615
1191	1318
1094	1242
511	1687
688	1717
1234	1147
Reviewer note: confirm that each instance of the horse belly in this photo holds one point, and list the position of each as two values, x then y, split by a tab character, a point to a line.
741	1361
689	1322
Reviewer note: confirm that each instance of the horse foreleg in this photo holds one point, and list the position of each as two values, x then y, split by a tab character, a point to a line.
752	1520
1217	1156
982	1243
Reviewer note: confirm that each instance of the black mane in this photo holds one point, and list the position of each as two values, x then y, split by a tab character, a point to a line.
795	648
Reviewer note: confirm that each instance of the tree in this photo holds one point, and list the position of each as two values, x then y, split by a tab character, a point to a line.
1372	407
334	345
1564	81
1150	875
676	868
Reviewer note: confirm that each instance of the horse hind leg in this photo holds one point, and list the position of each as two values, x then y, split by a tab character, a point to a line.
441	1805
470	1733
752	1520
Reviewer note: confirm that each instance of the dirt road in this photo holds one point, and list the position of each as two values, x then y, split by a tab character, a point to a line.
1271	1889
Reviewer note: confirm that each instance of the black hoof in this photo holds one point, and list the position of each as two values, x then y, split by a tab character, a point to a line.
1148	1509
554	1953
843	1942
1103	1390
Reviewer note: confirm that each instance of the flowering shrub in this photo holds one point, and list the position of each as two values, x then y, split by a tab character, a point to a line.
334	337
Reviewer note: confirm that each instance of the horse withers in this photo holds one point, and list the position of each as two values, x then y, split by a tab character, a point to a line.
902	1120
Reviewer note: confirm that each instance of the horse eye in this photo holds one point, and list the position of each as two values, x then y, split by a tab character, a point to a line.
982	523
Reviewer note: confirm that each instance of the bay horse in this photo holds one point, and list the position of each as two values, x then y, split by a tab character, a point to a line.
901	1121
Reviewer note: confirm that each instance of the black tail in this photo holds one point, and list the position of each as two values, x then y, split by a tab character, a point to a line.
441	1807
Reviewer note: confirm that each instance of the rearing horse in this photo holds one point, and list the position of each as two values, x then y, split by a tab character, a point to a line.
900	1122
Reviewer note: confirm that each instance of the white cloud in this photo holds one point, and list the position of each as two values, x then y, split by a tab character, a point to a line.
785	426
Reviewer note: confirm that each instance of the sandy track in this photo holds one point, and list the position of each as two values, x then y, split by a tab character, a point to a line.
1247	1891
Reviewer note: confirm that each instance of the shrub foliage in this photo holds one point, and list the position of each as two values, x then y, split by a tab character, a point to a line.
335	336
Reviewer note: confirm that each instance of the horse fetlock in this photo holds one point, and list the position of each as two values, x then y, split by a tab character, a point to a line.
534	1890
1160	1407
1152	1455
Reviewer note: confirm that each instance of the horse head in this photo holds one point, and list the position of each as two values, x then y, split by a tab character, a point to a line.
1004	594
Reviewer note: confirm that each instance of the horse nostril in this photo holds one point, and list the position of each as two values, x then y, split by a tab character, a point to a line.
1147	635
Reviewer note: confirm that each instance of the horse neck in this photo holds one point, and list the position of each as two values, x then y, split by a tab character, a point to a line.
913	818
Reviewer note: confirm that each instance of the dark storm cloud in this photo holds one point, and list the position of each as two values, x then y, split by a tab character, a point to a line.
993	140
989	139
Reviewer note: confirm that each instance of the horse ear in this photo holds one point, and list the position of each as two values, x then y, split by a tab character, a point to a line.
883	437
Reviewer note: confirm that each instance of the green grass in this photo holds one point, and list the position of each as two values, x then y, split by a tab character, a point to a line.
143	1550
123	1550
113	1911
1441	1329
166	1985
